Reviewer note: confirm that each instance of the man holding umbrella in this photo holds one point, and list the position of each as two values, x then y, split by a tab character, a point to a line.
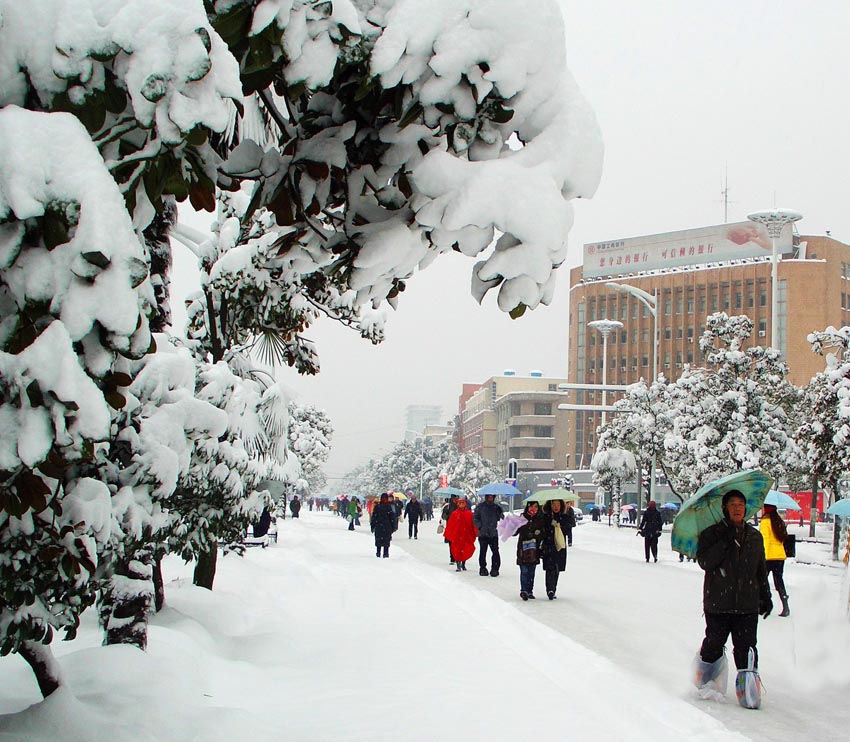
735	590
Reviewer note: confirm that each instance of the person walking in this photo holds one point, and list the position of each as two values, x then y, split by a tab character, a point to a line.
354	511
445	514
413	511
429	508
383	523
295	506
651	525
553	548
570	523
530	536
460	533
486	516
735	592
774	533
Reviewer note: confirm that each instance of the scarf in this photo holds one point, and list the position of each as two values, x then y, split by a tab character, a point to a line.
560	541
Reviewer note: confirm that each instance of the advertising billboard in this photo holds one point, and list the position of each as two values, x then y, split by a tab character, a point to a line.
685	248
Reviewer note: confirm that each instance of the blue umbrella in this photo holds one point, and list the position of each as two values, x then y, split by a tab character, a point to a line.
499	488
840	507
591	505
671	506
705	508
781	501
449	491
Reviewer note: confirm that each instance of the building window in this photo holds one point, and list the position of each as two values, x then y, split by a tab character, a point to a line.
624	311
644	335
644	361
678	305
516	409
668	307
679	333
763	298
739	303
540	453
542	431
690	357
542	408
623	336
668	333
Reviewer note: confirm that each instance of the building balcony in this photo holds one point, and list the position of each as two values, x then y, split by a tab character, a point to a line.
531	442
531	420
535	464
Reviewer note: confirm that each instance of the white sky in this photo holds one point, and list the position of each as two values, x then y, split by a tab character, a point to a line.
682	92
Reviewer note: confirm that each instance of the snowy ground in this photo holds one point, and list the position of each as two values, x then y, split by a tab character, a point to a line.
316	639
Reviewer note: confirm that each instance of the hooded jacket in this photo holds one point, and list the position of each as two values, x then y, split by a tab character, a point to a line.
487	515
460	533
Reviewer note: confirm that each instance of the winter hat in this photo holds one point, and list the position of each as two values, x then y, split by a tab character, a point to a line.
733	493
384	497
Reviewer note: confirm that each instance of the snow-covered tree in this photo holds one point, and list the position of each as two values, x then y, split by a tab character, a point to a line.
310	433
736	413
157	431
824	434
611	467
74	297
410	462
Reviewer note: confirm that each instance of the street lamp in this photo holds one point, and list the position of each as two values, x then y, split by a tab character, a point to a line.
605	326
650	301
774	220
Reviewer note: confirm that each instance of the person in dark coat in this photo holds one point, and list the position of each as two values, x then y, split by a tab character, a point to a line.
651	525
383	523
446	513
528	548
735	589
413	511
570	523
487	515
553	548
295	506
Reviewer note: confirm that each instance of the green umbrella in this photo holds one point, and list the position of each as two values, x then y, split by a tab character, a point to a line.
705	507
542	496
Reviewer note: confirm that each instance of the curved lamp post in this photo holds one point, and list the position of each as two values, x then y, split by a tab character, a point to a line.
774	220
605	326
650	301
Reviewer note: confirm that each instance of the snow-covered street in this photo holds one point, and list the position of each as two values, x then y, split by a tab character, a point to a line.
316	639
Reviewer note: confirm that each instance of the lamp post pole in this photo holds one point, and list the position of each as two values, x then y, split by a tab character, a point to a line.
606	327
774	220
650	301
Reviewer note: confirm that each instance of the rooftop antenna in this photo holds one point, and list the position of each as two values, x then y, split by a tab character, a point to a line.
725	193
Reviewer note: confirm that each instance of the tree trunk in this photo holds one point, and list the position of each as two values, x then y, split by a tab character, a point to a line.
205	568
158	584
127	600
40	658
813	513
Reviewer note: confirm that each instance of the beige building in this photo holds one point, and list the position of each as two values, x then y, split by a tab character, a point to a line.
516	417
693	274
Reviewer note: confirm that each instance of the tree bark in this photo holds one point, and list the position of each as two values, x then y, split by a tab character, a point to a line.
205	568
40	658
158	584
813	513
127	600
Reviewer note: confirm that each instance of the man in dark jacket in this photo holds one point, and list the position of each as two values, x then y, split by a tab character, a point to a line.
295	506
413	511
650	528
487	514
735	590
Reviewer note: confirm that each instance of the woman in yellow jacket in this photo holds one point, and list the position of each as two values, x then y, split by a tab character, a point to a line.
773	533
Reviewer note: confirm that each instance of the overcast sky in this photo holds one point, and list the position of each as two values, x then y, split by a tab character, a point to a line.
684	92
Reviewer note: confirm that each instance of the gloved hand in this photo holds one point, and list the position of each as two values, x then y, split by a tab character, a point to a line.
765	609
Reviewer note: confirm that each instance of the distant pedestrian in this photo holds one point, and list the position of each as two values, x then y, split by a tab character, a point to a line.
429	508
383	524
774	532
413	513
553	548
354	511
651	525
295	506
569	523
446	513
460	533
530	537
486	517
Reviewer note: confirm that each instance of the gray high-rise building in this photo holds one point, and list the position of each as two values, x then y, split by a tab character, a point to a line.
419	416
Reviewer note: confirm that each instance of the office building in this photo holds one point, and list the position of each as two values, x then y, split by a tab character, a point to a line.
691	274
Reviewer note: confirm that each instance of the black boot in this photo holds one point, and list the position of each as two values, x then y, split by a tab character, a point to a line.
457	567
786	611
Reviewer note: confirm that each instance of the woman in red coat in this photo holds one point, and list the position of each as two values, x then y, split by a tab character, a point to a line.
461	534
